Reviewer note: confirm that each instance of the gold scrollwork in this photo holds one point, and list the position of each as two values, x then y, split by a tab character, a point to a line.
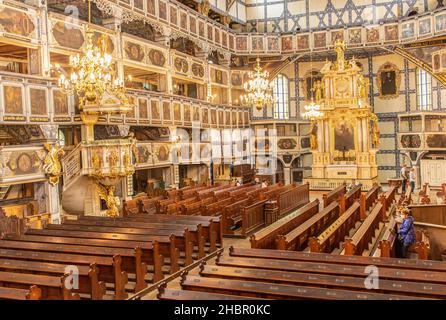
51	164
106	193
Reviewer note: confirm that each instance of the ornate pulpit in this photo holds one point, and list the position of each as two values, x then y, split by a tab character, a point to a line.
345	138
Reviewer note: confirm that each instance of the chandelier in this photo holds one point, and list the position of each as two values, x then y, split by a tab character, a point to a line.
312	111
92	73
258	88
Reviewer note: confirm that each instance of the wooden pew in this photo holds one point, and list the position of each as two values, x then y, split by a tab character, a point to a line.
130	207
368	200
386	243
363	236
147	205
195	232
421	246
337	231
346	200
388	198
276	291
231	215
406	199
88	275
265	238
441	195
248	273
8	293
211	225
152	254
51	287
110	268
292	199
435	268
212	228
253	217
298	238
333	195
216	207
131	259
424	195
172	294
273	191
180	243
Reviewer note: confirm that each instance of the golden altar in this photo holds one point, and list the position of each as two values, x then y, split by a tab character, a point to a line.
345	137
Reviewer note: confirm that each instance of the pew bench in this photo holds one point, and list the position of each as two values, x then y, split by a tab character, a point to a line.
266	237
110	269
277	291
8	293
434	268
322	280
51	287
298	238
328	240
88	275
151	254
331	268
175	244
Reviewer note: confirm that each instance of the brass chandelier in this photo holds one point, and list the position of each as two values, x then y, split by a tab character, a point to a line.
258	88
92	73
312	110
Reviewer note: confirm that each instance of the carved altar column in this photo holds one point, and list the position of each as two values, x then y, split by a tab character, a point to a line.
327	137
320	136
365	132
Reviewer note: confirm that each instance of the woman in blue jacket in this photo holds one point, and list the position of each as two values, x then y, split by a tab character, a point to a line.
406	233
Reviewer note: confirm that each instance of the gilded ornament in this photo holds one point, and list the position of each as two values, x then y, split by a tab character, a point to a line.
106	193
52	165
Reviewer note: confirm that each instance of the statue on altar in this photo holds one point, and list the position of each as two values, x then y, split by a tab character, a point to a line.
375	130
362	87
313	137
317	90
348	130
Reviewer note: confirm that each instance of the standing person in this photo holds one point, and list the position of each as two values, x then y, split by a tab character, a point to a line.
404	176
256	180
412	178
406	233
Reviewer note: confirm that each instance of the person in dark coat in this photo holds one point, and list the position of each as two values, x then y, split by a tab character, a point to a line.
406	233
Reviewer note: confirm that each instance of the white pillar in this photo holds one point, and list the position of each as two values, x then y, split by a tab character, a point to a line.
287	175
52	202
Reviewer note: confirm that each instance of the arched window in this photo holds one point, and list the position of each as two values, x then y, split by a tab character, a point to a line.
282	97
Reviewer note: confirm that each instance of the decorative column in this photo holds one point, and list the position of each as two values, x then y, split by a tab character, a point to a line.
287	175
52	202
320	136
365	130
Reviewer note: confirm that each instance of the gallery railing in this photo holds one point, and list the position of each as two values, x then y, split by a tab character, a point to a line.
36	100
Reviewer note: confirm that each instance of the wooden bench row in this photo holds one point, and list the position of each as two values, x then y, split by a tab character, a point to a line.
105	252
275	274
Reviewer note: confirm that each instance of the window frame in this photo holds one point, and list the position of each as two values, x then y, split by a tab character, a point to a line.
281	108
424	90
